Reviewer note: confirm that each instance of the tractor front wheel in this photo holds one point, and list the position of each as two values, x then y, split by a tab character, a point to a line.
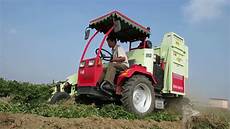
58	96
138	95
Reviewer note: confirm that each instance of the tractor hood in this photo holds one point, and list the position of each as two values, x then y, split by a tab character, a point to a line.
130	30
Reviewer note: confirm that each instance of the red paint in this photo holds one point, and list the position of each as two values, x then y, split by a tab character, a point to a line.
145	43
87	45
142	45
162	64
134	69
101	17
122	15
89	75
178	83
103	41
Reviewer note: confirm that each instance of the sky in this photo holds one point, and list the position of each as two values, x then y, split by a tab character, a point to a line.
42	40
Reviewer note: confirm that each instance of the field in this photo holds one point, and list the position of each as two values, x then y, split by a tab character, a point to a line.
25	105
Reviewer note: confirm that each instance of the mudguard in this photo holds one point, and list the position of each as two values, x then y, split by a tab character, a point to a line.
134	69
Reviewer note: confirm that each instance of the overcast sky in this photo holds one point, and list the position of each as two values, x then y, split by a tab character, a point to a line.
42	40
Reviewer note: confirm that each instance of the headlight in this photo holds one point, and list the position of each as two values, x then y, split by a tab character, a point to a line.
82	64
91	62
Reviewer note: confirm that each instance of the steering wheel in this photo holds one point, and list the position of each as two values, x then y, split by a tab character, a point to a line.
104	54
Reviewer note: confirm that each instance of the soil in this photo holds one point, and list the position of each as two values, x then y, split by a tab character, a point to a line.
31	121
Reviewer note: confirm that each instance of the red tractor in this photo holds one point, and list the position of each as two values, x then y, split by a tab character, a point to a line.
154	73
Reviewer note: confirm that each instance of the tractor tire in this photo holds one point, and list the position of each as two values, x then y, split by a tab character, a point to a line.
138	95
58	96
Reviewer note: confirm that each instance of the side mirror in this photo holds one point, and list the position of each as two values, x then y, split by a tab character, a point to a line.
117	25
87	33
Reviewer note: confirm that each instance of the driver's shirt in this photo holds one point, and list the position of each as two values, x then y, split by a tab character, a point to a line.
119	52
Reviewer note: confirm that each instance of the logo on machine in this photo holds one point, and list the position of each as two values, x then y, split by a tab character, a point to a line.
177	83
148	55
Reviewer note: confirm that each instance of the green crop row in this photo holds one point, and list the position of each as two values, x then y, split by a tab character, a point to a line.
33	98
79	110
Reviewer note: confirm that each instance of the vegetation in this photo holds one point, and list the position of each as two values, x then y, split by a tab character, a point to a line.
208	121
24	92
77	111
33	98
211	118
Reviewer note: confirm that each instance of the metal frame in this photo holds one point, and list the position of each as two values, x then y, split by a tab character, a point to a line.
92	73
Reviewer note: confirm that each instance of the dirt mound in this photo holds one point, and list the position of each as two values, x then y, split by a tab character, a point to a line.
197	122
28	121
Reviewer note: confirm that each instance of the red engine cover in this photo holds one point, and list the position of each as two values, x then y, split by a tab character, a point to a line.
89	75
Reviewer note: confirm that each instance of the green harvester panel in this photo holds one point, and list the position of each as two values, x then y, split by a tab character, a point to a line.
174	53
144	57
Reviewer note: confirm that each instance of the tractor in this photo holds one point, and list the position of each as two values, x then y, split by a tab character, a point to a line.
154	73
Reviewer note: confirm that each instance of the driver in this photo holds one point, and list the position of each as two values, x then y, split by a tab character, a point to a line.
119	62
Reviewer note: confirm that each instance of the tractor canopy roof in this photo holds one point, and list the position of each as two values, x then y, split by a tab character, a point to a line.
129	31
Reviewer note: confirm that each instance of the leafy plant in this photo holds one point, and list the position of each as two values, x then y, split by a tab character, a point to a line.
24	92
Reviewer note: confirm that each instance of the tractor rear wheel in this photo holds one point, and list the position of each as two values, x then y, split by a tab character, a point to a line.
58	96
138	95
